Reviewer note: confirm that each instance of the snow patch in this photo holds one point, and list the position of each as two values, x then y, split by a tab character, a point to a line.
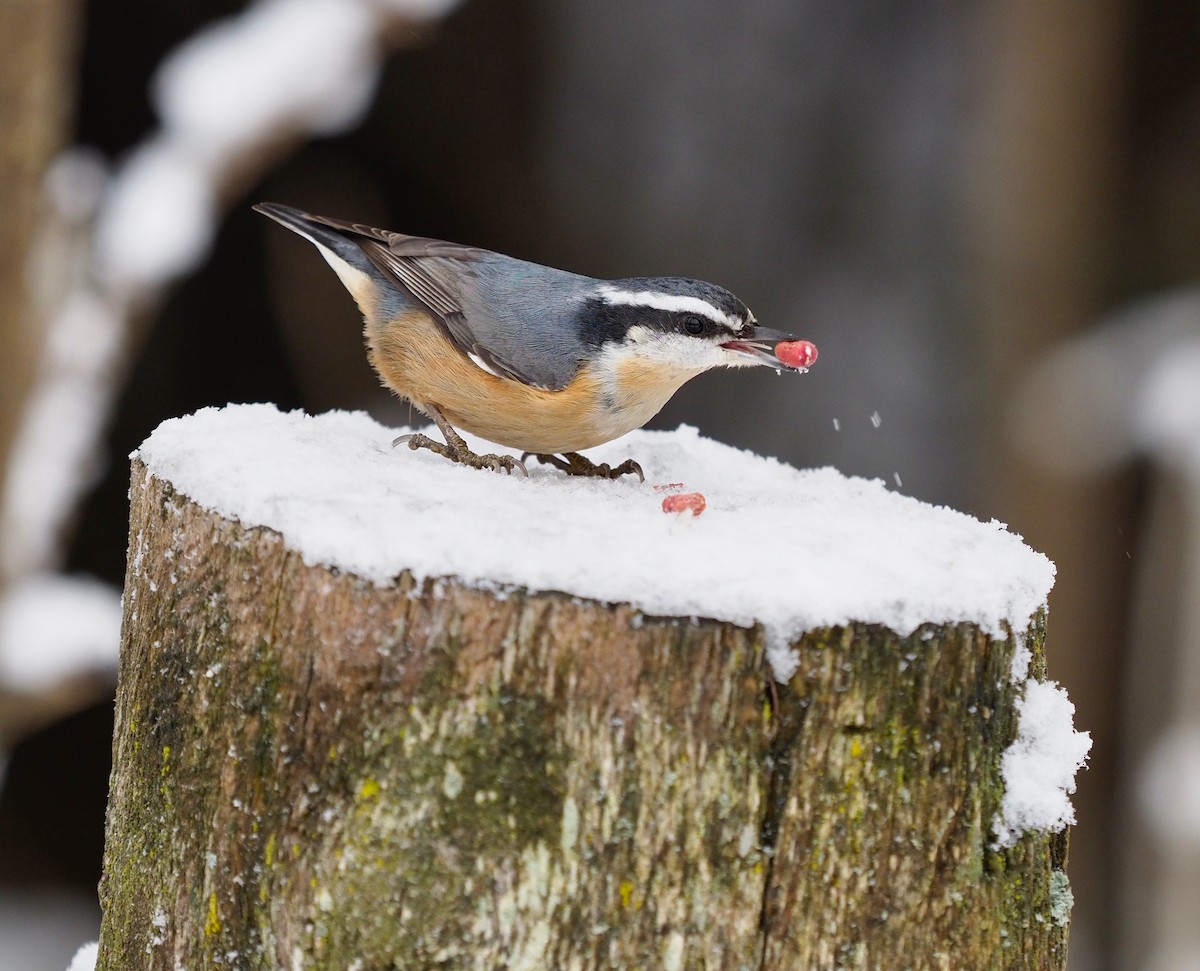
277	68
159	218
55	454
55	627
1021	659
1039	766
789	549
1169	788
85	958
310	63
1166	413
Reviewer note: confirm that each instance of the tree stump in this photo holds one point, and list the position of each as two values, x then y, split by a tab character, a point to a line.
313	769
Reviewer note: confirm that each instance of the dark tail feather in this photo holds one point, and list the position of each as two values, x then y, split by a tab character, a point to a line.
344	239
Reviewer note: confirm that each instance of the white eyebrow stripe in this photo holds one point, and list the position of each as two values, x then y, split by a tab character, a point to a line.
667	301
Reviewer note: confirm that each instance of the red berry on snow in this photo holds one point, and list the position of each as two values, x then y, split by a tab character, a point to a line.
692	502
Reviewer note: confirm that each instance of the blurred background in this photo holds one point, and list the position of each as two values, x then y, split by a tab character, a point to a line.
986	215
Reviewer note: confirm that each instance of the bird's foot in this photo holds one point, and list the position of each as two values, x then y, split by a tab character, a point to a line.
457	451
575	464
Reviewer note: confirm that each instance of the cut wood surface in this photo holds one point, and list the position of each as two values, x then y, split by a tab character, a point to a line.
316	770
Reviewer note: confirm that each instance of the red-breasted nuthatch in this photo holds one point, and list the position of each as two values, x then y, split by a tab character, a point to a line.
533	358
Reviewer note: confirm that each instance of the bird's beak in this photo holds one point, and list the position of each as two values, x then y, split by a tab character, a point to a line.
759	347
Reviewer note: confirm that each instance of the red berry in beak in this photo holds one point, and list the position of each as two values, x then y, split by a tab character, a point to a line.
800	355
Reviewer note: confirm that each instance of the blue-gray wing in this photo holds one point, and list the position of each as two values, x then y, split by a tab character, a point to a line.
493	308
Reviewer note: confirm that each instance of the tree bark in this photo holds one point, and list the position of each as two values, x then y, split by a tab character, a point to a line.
314	771
37	39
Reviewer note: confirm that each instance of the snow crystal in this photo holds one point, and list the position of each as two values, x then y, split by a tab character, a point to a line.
1040	765
790	549
85	958
56	627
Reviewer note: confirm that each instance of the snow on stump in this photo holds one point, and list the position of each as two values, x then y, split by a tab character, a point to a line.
379	711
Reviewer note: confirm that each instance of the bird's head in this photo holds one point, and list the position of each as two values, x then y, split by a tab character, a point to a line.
682	325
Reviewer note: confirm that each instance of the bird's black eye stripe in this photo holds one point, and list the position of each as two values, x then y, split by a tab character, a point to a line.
693	324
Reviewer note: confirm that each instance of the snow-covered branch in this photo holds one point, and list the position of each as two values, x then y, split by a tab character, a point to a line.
232	100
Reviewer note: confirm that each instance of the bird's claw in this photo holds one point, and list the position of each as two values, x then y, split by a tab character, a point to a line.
505	463
458	452
572	463
628	467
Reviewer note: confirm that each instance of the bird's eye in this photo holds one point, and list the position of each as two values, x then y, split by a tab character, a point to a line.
693	324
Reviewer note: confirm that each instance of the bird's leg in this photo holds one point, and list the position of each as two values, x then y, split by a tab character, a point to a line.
457	450
575	464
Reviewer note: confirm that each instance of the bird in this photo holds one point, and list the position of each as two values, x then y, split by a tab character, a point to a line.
541	360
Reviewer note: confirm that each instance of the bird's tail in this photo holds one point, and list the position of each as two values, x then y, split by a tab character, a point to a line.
341	243
343	238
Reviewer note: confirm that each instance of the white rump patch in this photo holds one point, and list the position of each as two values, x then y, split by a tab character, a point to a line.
667	301
353	279
483	365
